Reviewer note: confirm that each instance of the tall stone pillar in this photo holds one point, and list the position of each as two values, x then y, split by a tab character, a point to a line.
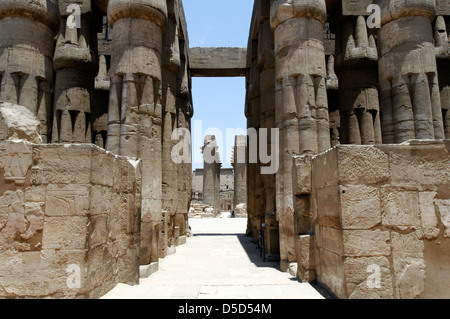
171	67
100	104
211	174
266	66
135	106
333	102
410	97
76	66
27	30
184	115
301	111
255	208
443	64
358	81
240	170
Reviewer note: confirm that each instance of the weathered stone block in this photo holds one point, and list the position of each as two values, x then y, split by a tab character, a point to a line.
102	200
304	247
443	206
68	164
67	200
328	208
332	273
325	169
420	165
408	264
400	208
360	207
97	230
218	61
428	219
45	273
65	232
21	223
368	278
35	193
301	174
355	7
442	7
330	239
102	165
18	122
15	161
366	243
362	165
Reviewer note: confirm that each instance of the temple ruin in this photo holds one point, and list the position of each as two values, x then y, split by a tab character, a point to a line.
358	93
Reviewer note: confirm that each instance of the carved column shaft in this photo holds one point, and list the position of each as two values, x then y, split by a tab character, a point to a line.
184	115
135	106
76	65
443	65
357	71
266	66
410	97
171	66
26	58
301	111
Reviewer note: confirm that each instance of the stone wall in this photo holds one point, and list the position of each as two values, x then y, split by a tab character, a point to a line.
69	220
379	212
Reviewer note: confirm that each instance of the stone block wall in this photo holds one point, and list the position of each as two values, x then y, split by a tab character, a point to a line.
69	220
380	221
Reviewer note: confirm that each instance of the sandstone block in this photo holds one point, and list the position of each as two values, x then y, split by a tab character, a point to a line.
368	278
334	276
362	165
301	174
366	243
428	217
443	206
400	208
67	233
330	239
21	223
328	208
325	172
419	165
304	247
18	122
67	200
360	207
408	264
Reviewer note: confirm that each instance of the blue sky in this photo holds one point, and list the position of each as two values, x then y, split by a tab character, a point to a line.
218	102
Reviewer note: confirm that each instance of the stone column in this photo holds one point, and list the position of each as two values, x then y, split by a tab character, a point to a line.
443	65
100	104
171	67
184	115
27	33
211	174
76	66
301	111
135	106
255	184
333	102
240	170
266	66
410	97
358	81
